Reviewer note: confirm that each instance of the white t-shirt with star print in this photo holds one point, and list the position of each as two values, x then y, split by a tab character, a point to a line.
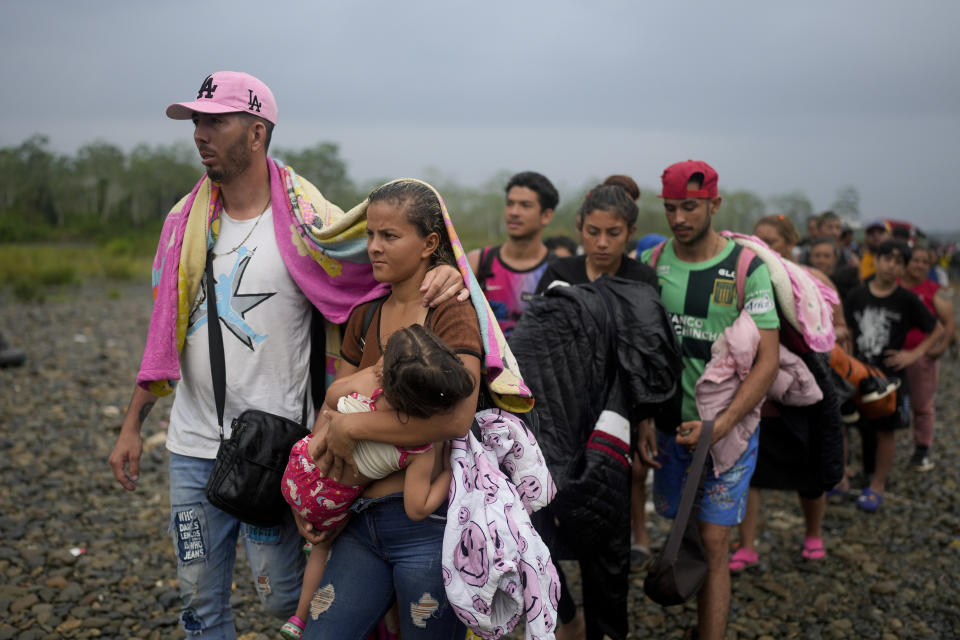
265	322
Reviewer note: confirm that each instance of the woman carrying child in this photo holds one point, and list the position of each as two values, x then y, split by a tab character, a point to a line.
381	555
418	376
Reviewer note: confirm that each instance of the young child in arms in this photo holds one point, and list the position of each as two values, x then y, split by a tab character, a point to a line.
418	376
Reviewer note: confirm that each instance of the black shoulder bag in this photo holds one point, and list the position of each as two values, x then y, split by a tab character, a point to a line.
246	477
679	571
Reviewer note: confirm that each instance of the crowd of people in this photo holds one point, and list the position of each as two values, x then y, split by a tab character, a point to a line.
622	347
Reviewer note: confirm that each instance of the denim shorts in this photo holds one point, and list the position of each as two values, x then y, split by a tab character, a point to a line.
724	499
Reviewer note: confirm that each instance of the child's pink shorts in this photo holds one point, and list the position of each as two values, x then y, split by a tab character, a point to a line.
319	500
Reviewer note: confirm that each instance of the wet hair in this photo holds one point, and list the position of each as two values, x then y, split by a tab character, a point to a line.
620	180
538	183
889	247
422	376
266	123
421	208
566	242
783	225
612	198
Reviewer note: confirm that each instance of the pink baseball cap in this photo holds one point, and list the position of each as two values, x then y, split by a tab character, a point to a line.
229	92
677	176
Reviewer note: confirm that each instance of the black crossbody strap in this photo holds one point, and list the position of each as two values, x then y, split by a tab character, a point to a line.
690	489
367	321
303	411
217	366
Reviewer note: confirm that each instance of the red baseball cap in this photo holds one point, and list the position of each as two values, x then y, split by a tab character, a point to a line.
677	176
229	92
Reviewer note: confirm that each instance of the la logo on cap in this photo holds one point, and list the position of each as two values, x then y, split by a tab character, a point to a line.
207	87
253	102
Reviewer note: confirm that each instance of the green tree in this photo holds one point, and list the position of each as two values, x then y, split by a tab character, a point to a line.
322	165
99	170
794	205
156	178
739	210
30	173
477	212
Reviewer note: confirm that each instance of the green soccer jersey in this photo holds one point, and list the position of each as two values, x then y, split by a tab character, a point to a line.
701	300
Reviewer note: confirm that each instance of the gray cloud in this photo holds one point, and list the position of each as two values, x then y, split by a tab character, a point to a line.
811	96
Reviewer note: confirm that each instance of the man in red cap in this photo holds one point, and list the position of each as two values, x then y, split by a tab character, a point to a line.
264	302
696	270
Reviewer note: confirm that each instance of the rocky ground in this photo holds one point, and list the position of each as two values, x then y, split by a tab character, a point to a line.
81	558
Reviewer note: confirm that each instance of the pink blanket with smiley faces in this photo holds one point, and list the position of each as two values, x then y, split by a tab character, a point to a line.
496	568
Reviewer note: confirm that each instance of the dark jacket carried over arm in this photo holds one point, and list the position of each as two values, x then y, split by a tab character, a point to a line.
599	358
801	448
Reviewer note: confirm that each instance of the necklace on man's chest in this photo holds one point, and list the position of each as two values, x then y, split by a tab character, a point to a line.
246	237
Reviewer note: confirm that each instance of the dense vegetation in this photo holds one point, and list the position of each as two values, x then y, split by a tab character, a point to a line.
101	192
97	212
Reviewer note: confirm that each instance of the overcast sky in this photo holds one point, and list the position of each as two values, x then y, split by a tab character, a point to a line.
810	96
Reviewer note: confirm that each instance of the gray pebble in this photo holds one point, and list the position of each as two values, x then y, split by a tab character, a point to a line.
892	574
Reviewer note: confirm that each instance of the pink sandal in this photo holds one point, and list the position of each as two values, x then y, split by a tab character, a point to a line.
813	549
743	558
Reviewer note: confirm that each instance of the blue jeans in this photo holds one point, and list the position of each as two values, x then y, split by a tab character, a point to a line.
381	552
205	541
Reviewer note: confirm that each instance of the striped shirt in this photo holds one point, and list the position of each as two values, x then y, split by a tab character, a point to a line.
701	300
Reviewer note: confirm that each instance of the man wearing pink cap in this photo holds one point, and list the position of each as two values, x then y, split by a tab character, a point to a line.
253	218
696	270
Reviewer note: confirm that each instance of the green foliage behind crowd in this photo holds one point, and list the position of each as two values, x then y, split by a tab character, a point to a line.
101	194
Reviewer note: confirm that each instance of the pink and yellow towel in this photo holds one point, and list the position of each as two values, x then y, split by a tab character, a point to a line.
325	252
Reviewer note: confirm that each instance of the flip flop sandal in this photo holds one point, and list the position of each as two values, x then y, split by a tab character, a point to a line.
743	558
869	501
813	549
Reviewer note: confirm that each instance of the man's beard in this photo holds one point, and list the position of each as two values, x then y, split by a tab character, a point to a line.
700	235
236	161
